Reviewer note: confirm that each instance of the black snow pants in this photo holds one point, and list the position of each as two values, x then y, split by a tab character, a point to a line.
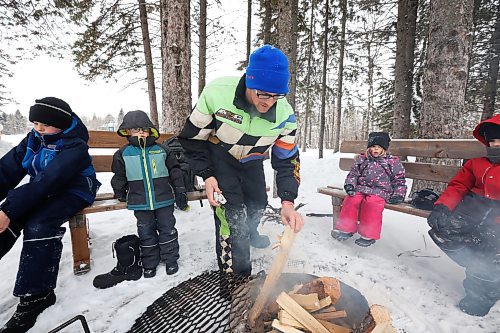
158	235
472	240
42	245
244	187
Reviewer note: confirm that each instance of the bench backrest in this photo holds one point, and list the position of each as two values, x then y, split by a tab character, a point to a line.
105	139
438	148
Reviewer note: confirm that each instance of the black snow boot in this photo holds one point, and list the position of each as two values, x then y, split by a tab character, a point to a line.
259	241
475	306
128	267
27	311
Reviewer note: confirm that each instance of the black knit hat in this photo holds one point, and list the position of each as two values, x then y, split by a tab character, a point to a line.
51	111
379	138
490	131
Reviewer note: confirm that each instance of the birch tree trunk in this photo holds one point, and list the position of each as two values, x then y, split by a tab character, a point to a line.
491	84
340	76
323	88
176	63
150	77
202	52
287	41
403	81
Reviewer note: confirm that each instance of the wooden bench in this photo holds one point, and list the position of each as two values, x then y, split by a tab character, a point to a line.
104	201
439	149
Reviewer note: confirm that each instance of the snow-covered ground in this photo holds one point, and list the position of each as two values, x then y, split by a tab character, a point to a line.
404	271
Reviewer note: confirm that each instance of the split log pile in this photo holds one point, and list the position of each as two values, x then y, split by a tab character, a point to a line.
311	308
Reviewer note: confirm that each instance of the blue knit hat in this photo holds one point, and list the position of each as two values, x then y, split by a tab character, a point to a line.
268	70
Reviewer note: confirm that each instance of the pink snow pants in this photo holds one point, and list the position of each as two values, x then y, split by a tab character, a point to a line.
370	217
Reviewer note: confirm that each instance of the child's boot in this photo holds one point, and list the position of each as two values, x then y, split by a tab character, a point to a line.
364	242
341	235
475	306
28	309
128	266
172	268
149	272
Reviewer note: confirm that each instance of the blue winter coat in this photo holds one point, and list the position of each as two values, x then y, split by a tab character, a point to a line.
57	164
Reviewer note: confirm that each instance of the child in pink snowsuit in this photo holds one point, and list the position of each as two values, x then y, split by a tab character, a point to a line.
376	177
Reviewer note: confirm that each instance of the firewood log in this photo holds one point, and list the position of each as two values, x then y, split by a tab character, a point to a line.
377	321
331	315
285	328
273	275
310	302
323	286
300	314
287	319
333	328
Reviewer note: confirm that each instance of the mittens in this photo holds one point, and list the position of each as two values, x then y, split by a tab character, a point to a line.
350	190
397	199
439	218
181	200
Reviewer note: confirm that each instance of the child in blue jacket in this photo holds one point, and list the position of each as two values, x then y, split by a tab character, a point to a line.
62	181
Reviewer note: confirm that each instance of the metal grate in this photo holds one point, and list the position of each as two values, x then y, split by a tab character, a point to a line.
216	302
210	302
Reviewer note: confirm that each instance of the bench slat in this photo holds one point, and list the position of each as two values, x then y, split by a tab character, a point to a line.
414	170
104	139
102	163
459	149
104	202
402	207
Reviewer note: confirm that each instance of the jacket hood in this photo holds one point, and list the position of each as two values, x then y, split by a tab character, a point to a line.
135	119
479	130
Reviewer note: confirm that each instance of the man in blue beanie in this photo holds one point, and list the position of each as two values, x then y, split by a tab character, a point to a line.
226	138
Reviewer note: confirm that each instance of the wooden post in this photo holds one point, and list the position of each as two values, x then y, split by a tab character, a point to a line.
336	205
80	244
273	276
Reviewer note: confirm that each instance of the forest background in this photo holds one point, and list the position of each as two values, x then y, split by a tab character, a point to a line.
415	68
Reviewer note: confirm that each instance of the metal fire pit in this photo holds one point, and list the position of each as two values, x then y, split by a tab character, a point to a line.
218	302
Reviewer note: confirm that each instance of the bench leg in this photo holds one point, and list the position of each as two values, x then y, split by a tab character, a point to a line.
80	244
337	205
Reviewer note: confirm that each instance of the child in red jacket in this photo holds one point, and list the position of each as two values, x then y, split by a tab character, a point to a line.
465	222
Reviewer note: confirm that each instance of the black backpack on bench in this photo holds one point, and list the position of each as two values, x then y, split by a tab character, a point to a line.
424	199
174	147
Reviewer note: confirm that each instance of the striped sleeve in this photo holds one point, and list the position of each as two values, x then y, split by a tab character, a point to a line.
285	160
194	136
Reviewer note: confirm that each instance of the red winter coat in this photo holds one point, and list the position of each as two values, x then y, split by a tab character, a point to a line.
478	175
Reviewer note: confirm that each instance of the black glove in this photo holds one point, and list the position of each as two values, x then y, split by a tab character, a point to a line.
181	200
122	199
440	217
350	190
397	199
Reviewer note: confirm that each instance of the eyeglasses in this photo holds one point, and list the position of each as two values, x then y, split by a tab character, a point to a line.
263	95
139	129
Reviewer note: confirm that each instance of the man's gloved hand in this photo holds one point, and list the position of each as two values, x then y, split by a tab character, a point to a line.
397	199
440	217
122	199
350	190
181	201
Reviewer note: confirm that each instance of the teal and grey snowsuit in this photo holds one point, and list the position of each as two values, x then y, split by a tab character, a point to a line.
145	174
227	138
